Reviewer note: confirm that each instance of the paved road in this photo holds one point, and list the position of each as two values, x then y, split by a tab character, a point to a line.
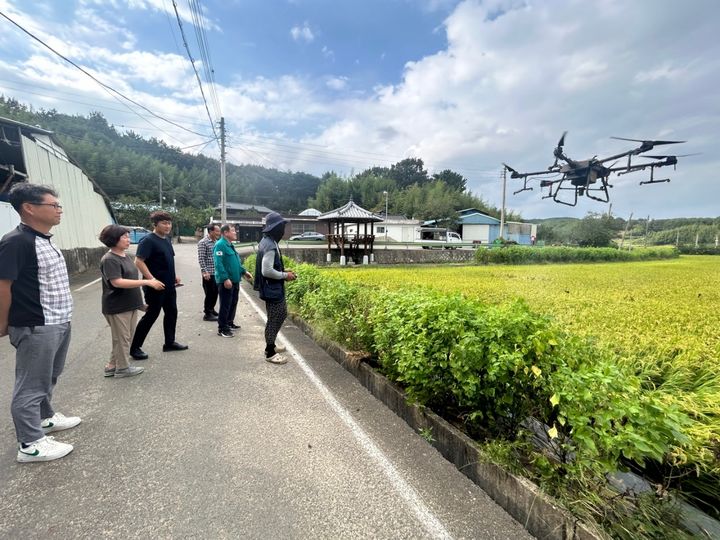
216	443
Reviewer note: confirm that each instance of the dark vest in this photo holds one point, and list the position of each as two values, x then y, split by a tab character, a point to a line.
271	290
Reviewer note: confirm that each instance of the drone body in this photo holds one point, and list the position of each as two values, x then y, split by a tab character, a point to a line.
590	177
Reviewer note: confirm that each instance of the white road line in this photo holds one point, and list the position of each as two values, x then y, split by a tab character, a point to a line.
406	491
87	285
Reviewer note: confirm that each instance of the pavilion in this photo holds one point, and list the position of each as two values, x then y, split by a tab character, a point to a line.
354	245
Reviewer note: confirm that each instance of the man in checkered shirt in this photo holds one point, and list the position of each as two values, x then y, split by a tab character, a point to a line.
35	311
207	267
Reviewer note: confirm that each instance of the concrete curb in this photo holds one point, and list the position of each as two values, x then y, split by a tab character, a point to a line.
536	511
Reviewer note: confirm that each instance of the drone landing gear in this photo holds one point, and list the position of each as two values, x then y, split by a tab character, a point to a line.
652	179
524	188
578	191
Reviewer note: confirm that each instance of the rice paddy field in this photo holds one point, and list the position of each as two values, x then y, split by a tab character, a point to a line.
660	317
669	310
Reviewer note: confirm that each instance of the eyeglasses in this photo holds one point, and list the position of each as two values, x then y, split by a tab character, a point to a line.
55	205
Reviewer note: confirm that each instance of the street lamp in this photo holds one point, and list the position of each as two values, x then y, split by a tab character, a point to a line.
386	215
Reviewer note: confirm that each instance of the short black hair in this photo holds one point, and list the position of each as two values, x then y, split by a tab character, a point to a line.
225	228
211	227
160	215
110	235
25	192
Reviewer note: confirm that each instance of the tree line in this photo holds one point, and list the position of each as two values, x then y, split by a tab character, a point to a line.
601	230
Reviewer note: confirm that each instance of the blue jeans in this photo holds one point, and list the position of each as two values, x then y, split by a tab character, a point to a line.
39	361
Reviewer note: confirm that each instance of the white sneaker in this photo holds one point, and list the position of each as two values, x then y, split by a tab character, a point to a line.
45	449
58	422
276	358
280	348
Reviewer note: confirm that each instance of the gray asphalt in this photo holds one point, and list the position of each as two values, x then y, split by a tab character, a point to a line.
214	442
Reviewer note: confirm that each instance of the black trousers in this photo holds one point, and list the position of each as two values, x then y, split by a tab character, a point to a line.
228	305
211	295
165	300
276	315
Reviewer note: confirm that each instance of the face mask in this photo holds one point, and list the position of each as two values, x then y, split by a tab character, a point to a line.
277	232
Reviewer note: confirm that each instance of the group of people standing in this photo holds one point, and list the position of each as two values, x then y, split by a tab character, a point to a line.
36	304
222	270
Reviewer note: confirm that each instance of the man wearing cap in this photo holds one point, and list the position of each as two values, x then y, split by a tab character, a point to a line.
270	278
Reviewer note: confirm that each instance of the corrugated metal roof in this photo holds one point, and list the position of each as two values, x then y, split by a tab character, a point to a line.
350	212
26	127
478	218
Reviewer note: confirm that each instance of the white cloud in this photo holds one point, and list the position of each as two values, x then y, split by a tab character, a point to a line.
302	33
327	53
337	83
514	76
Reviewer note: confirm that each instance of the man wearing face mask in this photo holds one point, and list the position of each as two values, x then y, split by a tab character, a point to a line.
270	278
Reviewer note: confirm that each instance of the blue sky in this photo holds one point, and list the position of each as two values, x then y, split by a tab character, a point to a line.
316	85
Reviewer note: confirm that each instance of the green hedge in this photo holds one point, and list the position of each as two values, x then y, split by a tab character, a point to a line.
700	250
535	255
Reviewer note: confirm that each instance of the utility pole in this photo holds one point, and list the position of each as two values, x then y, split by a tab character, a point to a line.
647	227
502	210
160	187
627	226
223	186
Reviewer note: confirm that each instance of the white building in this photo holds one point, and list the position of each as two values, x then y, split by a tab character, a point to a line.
396	228
32	154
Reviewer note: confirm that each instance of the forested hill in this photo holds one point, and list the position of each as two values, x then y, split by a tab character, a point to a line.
128	166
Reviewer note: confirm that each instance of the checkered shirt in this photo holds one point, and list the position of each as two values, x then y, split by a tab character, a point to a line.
55	297
205	255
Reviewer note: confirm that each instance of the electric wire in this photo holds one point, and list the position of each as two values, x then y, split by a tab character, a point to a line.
197	75
271	143
98	104
107	87
204	48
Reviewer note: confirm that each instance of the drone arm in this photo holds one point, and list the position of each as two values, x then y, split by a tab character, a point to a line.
617	156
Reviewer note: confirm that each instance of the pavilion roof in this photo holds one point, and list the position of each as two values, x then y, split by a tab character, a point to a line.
351	213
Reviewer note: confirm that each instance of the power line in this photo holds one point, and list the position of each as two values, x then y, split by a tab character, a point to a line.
322	151
98	105
105	86
192	63
204	47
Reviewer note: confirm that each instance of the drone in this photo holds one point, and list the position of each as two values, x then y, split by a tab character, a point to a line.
590	177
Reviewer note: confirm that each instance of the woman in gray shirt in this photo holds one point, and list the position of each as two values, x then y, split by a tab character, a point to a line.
121	298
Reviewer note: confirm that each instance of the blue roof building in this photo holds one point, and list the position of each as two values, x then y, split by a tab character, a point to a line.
483	229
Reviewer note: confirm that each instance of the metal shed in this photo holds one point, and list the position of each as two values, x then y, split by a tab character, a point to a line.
32	154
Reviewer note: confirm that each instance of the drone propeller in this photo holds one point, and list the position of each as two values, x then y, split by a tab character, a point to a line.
652	143
561	142
665	157
509	168
558	152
